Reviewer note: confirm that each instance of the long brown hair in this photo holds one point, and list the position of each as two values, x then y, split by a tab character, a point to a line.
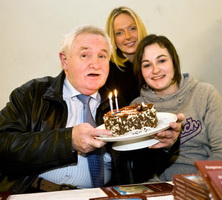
163	42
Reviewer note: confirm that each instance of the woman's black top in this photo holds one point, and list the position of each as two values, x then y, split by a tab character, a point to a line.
124	81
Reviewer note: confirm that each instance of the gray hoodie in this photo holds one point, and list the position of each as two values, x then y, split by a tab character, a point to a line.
201	138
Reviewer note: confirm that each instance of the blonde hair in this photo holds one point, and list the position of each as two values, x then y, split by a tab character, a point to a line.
117	56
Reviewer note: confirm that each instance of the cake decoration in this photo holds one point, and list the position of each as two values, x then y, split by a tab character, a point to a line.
129	118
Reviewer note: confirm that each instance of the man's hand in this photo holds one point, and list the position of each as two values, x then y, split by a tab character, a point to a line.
83	138
168	137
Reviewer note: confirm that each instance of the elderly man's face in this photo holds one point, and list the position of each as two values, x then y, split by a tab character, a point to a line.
87	63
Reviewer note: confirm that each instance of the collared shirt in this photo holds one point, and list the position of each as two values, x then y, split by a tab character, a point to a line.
77	175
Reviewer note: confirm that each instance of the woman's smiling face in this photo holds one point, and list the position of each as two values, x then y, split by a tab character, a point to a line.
126	34
158	69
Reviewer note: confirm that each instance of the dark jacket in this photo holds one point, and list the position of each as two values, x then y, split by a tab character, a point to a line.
33	137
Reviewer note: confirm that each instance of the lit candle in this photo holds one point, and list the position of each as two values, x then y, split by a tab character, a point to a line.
111	102
116	101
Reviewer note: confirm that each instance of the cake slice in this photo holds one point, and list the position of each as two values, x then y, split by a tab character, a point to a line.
131	118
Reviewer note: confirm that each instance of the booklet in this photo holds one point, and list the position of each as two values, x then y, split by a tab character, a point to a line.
205	166
187	185
215	178
136	191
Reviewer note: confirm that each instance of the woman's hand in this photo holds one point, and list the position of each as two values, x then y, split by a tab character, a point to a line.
168	137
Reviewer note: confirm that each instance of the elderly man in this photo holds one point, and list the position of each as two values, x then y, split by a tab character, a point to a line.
47	139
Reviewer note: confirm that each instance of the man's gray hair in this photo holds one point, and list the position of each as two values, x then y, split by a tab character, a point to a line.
90	29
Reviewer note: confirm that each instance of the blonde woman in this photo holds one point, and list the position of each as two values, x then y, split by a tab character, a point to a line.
126	30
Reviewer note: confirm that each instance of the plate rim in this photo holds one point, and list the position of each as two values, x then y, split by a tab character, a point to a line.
131	137
118	146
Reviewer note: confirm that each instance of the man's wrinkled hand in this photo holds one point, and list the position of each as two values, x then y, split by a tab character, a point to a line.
84	138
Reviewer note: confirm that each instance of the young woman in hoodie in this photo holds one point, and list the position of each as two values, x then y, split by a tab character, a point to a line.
157	68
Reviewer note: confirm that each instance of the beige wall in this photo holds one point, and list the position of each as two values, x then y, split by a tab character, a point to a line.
31	33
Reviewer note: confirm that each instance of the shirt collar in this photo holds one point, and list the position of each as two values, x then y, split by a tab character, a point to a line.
70	91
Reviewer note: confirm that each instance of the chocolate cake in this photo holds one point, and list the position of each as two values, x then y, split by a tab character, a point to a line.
131	118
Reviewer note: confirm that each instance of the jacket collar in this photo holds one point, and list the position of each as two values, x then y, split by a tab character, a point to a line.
55	90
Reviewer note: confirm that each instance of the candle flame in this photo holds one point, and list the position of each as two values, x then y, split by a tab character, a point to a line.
115	93
110	95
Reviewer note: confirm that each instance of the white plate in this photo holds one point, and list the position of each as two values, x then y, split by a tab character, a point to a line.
164	120
139	143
